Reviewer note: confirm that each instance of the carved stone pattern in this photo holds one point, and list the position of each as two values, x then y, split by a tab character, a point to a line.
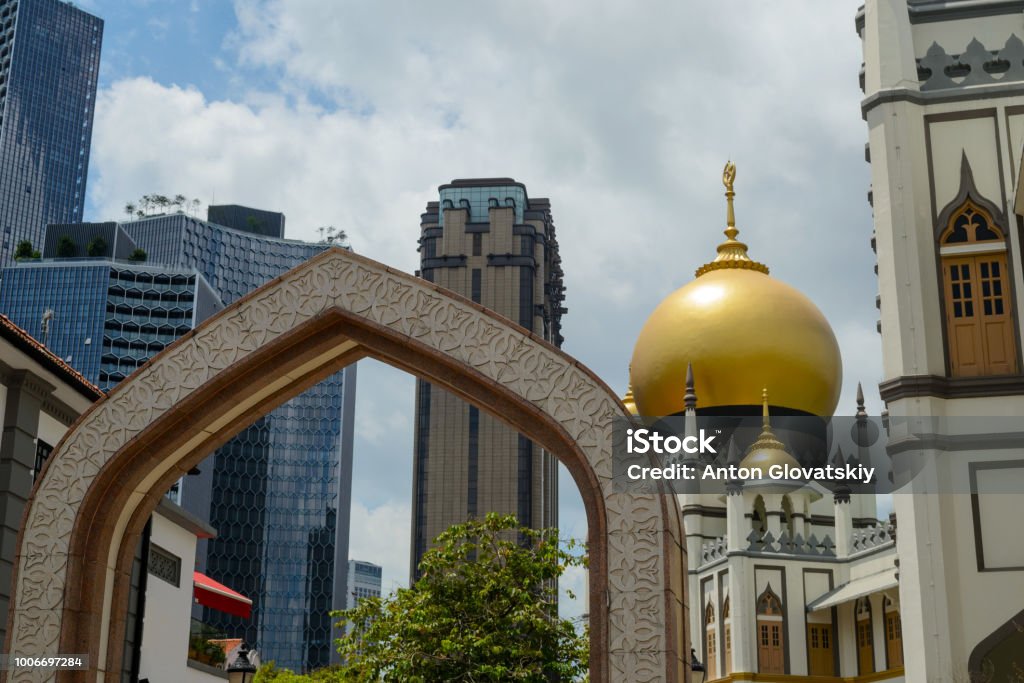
408	306
872	537
975	66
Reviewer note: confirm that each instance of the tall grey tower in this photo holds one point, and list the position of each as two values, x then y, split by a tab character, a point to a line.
487	240
49	63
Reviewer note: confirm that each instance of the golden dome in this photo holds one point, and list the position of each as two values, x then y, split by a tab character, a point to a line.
741	330
767	450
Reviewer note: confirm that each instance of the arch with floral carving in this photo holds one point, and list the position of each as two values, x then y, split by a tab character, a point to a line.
107	475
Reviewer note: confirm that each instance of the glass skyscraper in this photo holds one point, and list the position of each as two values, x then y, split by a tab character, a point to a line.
281	490
49	63
279	493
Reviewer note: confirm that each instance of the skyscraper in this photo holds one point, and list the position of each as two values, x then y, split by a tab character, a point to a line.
279	492
487	240
49	63
364	581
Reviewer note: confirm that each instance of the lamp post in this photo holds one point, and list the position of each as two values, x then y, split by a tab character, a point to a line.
241	670
696	665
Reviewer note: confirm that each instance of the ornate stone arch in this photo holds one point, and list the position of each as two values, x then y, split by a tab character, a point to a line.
106	476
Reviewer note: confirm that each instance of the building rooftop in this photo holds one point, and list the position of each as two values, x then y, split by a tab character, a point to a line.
35	349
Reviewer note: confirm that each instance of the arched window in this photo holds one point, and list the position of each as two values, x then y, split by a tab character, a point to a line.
865	639
893	635
727	631
759	519
771	641
710	653
977	293
787	515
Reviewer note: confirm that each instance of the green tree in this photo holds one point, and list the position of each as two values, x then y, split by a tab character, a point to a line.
269	673
484	610
25	250
138	255
97	246
66	247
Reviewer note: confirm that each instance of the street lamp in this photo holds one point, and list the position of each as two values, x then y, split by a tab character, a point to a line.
696	665
241	670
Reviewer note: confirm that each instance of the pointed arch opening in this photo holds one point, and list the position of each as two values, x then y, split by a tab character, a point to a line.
771	636
976	285
101	483
711	648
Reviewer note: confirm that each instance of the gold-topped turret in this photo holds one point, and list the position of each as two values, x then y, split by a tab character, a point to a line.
731	253
767	450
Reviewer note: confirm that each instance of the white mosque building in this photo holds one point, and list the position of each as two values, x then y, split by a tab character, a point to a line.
792	580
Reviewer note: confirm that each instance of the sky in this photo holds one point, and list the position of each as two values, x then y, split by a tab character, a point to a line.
350	114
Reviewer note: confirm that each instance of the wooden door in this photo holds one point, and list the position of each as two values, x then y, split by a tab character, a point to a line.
865	656
727	658
710	663
770	654
894	639
819	649
979	324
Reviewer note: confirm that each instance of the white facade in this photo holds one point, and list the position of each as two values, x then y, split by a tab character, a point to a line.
168	601
777	573
944	106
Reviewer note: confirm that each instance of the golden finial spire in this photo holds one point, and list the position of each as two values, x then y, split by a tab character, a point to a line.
764	409
731	253
767	438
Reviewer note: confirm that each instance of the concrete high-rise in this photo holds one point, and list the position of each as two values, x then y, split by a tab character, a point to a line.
49	63
364	581
489	241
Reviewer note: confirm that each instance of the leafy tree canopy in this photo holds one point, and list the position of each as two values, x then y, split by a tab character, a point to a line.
484	609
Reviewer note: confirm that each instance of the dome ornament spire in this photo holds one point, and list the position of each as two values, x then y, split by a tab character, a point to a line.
731	253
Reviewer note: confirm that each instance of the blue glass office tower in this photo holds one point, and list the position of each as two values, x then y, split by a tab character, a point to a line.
281	490
279	493
49	63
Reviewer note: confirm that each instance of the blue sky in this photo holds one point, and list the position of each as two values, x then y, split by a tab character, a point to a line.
351	114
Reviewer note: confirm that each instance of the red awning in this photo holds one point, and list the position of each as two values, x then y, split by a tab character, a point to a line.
219	597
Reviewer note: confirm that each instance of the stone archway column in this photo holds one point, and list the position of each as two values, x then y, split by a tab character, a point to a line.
106	476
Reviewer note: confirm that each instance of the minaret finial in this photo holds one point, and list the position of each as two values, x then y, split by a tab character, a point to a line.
728	179
861	410
764	408
731	253
690	399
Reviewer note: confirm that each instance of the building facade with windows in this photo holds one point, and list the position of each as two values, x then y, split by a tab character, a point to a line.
943	88
279	492
41	396
364	581
49	65
487	240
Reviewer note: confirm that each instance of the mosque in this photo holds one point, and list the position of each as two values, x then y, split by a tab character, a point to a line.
794	579
785	577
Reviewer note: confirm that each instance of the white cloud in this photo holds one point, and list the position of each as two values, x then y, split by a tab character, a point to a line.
377	535
622	115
